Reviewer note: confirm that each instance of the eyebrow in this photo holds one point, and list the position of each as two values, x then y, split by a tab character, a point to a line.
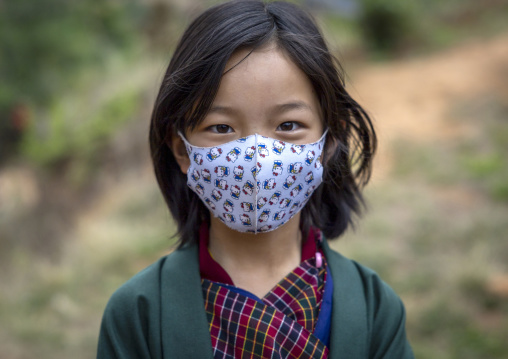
278	109
294	105
226	110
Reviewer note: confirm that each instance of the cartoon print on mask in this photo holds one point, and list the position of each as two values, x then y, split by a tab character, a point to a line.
269	184
248	188
309	178
310	157
255	170
213	154
265	228
232	155
216	195
262	150
206	176
238	173
294	207
261	202
284	203
279	215
200	189
278	147
195	175
222	171
210	203
296	168
245	219
297	149
229	217
274	198
277	168
247	207
198	158
264	216
249	153
222	184
235	192
296	190
310	191
228	206
289	182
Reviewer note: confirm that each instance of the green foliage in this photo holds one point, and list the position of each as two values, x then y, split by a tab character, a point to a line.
45	45
391	28
74	131
387	25
48	48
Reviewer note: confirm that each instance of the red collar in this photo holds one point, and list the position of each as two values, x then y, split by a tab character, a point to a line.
212	270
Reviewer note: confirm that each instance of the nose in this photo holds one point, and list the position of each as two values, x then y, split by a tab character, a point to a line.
253	127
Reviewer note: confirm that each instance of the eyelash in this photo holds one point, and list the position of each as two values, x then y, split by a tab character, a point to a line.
214	128
294	124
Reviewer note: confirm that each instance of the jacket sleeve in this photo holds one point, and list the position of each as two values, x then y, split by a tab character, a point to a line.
387	320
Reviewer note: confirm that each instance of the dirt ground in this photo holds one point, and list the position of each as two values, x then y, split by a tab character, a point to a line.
412	99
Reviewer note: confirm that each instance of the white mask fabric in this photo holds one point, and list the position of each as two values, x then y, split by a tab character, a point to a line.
255	184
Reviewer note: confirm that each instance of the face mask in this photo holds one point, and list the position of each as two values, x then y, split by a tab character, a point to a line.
255	184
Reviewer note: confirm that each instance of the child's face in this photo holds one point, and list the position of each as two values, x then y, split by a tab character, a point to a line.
265	94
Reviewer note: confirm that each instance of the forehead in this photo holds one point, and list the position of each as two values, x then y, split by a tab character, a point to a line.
264	76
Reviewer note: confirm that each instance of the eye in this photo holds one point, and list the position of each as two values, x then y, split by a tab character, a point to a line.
287	126
221	128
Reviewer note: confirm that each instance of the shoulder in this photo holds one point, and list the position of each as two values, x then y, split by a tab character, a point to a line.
147	284
141	286
139	319
361	291
125	332
130	325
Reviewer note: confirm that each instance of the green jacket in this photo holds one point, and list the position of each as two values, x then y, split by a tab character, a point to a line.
159	313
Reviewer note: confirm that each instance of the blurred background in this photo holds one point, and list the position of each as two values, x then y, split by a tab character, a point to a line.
80	211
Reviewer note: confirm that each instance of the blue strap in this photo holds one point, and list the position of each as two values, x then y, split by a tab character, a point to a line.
324	321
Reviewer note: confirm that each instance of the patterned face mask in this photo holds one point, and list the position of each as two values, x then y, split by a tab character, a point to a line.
255	184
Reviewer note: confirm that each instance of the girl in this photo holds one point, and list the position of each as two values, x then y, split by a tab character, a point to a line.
260	154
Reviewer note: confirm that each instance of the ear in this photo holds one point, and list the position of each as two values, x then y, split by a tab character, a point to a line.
180	152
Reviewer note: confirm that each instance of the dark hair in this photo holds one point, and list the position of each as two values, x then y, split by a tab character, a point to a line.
192	80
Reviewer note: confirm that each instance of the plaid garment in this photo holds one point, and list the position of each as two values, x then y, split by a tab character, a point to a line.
278	326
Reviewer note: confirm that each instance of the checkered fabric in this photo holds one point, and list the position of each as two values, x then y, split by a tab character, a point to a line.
280	327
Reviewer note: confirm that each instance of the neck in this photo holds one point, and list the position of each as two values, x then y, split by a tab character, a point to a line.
256	262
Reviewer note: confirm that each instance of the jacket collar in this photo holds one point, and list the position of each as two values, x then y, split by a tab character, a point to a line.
184	326
348	337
